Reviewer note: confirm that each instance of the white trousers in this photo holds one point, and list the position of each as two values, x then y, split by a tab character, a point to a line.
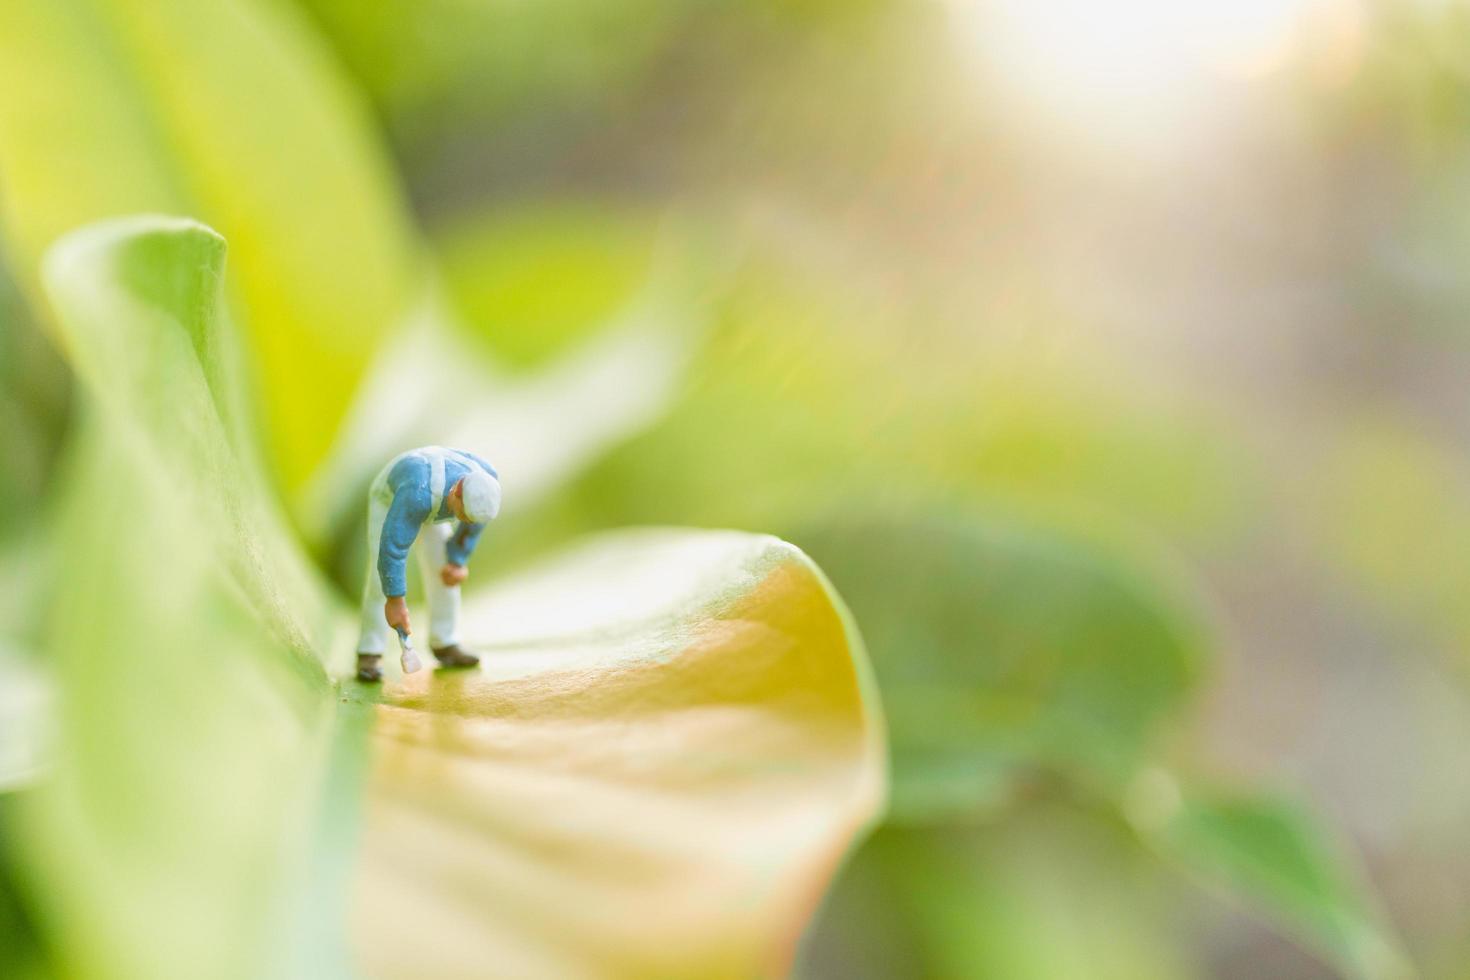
443	600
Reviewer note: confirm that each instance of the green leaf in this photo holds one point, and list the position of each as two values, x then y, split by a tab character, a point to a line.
790	402
20	955
534	282
136	301
1283	864
32	416
230	111
192	709
445	60
668	752
1003	648
1049	893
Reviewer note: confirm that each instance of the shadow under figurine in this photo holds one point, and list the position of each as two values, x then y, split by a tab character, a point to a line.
449	495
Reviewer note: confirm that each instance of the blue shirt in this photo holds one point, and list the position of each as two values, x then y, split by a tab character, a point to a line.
409	479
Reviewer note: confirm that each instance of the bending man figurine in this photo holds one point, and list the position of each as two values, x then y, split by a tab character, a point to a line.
450	495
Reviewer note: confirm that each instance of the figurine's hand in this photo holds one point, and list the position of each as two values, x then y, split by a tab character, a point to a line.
395	611
452	574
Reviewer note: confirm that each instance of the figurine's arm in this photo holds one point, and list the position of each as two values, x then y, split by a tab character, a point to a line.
461	544
406	515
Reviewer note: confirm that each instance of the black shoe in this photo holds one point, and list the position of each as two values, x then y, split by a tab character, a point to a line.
367	667
453	656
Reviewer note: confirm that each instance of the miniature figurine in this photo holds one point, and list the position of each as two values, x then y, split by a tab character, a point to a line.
450	495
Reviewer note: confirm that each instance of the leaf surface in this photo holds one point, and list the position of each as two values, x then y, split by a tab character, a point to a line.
655	775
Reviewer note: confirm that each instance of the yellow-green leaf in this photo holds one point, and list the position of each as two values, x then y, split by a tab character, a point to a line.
233	112
656	774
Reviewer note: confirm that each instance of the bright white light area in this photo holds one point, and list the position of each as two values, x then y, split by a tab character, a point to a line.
1130	63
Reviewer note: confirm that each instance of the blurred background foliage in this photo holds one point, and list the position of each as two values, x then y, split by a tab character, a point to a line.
1108	358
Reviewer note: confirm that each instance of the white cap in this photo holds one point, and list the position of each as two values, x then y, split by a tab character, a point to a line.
481	494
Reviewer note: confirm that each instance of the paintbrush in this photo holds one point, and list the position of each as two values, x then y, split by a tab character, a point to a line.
410	660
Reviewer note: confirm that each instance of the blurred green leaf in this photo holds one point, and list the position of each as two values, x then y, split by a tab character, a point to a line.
1050	894
21	954
491	55
231	111
533	282
1282	863
1003	648
192	709
137	300
1005	651
670	748
33	414
800	393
